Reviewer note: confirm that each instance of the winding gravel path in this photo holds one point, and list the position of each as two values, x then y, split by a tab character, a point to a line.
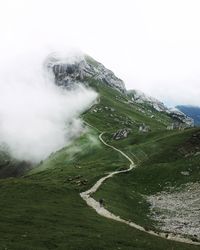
105	213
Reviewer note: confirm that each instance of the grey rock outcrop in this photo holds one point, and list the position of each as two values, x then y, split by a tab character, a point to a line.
141	98
121	134
180	119
144	128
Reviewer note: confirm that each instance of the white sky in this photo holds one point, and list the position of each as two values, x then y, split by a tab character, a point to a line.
153	45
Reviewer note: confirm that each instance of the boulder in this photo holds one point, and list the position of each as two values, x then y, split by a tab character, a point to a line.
121	134
144	128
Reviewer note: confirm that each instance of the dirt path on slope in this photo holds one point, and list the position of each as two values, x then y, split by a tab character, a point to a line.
105	213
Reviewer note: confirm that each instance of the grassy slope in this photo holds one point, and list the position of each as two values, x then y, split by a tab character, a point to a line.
43	210
160	163
125	114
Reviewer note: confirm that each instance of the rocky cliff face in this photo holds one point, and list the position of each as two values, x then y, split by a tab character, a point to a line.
80	67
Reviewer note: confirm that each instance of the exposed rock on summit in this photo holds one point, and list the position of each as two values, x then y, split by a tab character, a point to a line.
79	68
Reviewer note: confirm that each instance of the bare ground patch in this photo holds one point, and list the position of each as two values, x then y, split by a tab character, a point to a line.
178	210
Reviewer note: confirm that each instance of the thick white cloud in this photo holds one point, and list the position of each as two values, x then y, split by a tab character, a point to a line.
36	116
153	45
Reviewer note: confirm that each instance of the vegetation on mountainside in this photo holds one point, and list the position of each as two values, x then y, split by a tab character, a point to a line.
43	209
161	163
115	110
47	212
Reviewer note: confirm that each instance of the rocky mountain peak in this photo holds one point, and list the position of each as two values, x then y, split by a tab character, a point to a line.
67	70
78	67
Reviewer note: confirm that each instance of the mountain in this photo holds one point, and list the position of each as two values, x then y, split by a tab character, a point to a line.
192	111
43	209
79	68
83	67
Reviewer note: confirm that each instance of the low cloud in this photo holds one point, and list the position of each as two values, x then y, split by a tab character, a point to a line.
36	116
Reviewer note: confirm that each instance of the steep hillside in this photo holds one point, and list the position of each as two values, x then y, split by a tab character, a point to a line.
47	212
167	165
43	209
114	103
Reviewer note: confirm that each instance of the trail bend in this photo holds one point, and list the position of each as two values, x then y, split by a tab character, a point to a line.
91	202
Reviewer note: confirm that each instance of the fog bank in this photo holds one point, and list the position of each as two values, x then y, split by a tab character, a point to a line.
36	116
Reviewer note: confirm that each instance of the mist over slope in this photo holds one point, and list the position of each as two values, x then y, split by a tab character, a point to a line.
36	116
43	94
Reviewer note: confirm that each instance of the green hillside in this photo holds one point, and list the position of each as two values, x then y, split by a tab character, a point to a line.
43	209
117	111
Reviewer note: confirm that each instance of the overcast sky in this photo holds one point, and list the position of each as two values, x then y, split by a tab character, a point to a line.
153	45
